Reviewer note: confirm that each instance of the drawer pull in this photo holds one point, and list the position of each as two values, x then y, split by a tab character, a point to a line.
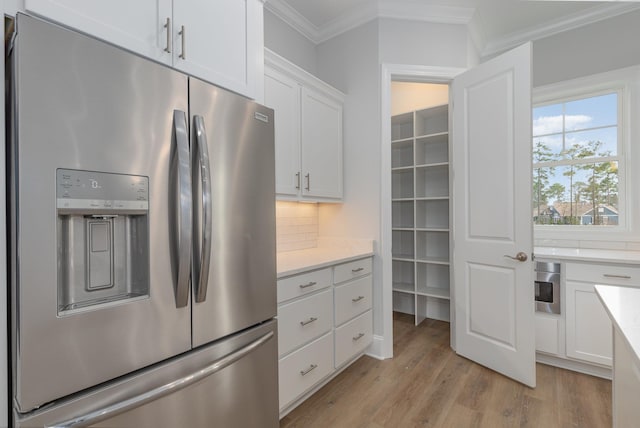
309	321
311	368
357	299
360	269
610	275
309	284
358	337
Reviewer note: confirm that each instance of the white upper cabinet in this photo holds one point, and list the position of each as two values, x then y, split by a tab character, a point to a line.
222	41
282	94
134	25
321	145
308	132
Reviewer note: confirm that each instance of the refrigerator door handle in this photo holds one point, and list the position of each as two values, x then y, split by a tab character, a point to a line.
185	209
205	178
164	390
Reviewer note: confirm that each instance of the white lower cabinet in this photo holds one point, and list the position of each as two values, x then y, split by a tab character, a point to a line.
588	328
353	337
352	299
547	334
301	321
325	321
588	325
302	369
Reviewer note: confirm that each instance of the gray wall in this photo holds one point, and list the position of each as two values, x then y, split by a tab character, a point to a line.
288	43
352	63
606	45
421	43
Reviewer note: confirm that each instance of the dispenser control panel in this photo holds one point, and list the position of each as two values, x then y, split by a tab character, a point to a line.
90	191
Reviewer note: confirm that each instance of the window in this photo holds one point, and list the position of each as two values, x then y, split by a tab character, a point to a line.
578	162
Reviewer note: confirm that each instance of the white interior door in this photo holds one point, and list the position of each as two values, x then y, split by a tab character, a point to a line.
494	295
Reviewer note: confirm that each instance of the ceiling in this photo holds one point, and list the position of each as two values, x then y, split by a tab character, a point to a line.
495	24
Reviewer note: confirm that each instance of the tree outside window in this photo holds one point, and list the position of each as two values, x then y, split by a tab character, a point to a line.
576	162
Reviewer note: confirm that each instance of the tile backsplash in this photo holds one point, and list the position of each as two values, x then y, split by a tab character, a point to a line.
296	226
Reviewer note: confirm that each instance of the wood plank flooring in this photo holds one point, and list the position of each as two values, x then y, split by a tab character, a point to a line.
427	385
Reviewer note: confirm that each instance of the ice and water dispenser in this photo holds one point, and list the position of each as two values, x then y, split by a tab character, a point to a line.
103	238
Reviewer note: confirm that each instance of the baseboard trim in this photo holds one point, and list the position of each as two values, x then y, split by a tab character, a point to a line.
375	350
576	366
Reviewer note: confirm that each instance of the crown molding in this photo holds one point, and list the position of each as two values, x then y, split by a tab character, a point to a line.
570	22
293	18
353	18
404	9
418	11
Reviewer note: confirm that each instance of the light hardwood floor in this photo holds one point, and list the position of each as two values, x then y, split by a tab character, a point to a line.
427	385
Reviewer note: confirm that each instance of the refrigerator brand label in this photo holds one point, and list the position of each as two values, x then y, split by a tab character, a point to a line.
261	117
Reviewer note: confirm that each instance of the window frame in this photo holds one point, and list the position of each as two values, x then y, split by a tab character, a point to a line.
626	84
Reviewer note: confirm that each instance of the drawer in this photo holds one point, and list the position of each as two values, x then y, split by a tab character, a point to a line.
305	283
603	274
353	298
301	370
347	271
353	338
303	320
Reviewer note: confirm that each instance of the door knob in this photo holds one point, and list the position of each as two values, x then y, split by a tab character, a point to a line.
521	257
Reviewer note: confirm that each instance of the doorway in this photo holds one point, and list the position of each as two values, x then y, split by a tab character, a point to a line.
400	74
420	200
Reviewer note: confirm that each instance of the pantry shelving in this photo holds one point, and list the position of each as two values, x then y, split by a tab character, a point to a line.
420	204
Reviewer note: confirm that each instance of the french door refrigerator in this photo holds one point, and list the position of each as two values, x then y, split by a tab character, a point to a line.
142	242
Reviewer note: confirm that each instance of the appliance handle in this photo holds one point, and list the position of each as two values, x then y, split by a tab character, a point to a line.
184	205
164	390
205	178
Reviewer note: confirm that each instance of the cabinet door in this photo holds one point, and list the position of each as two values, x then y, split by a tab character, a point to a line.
321	145
135	25
588	325
282	94
220	42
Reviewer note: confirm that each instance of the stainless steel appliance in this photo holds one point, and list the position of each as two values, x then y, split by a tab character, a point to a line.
547	287
143	242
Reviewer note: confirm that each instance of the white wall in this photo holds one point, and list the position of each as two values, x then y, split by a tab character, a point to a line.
288	43
606	45
423	43
352	63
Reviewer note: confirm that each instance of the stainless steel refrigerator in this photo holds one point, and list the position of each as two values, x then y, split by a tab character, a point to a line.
142	242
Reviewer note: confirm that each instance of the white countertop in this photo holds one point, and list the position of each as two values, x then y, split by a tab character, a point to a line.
327	253
588	255
623	306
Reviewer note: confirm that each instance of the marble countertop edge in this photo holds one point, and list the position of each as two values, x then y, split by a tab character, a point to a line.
328	252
